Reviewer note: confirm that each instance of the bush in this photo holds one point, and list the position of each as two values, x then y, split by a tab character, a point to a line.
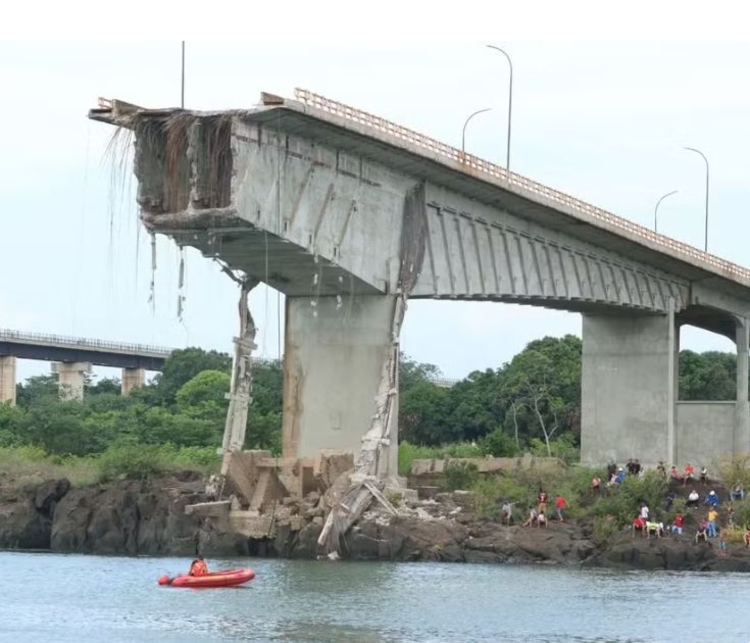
459	474
605	528
742	513
408	452
734	468
498	444
133	461
142	461
625	501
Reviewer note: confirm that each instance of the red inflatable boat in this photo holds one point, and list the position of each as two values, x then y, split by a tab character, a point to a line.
213	579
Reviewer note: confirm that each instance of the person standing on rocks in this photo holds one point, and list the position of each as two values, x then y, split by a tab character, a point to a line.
677	524
532	518
560	507
541	520
542	499
712	517
507	513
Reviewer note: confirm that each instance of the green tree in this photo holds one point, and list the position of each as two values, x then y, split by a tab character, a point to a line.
411	372
541	386
36	390
106	385
422	413
183	365
204	396
707	376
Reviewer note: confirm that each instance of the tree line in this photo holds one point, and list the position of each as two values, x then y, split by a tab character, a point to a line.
534	400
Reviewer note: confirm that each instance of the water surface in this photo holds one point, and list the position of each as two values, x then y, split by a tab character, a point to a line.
71	598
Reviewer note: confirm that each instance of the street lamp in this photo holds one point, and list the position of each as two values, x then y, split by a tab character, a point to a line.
510	101
182	79
656	207
463	134
692	149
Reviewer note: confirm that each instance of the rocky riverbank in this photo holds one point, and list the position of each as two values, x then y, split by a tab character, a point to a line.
135	517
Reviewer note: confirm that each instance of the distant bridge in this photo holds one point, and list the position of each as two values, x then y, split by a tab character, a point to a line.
74	356
60	348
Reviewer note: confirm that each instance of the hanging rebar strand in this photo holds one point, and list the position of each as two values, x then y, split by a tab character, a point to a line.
152	287
181	286
240	392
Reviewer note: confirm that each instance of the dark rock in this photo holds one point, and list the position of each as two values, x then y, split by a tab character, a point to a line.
26	515
48	494
306	545
22	526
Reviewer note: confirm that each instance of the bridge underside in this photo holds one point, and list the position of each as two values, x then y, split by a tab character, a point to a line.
262	255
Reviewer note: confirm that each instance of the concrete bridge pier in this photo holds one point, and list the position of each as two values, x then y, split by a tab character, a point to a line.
334	358
629	388
71	378
742	406
132	378
7	379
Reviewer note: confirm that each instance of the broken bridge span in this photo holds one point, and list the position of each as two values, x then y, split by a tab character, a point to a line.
351	215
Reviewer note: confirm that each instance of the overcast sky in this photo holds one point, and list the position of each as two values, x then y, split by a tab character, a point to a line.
605	122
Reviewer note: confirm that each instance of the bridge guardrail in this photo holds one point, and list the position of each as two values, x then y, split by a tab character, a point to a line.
322	103
80	342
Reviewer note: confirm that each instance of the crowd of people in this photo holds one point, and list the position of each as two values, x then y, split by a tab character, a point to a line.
712	523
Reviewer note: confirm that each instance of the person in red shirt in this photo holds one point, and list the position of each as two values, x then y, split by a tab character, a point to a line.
689	471
560	507
639	525
677	524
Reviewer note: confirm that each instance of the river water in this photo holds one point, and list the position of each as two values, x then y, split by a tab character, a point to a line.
71	598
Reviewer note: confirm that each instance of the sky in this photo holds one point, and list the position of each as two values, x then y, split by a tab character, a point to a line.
605	120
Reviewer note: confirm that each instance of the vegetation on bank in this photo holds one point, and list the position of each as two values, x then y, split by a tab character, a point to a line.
530	404
27	465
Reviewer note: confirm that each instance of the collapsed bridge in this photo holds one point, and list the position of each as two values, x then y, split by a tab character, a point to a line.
350	216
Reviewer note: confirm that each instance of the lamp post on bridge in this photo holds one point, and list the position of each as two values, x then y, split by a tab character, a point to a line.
463	134
656	207
692	149
510	101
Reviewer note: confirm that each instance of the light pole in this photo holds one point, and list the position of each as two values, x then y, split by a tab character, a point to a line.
463	134
510	101
182	81
656	207
692	149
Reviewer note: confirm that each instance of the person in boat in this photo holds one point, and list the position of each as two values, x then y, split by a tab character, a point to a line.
198	567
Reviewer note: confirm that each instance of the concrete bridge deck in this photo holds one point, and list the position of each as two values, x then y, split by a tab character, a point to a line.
60	348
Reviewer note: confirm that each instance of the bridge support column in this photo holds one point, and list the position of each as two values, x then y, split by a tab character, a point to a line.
629	388
71	378
8	379
742	407
334	359
132	378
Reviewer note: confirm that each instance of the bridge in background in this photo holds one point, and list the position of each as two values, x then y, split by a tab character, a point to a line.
73	357
351	215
